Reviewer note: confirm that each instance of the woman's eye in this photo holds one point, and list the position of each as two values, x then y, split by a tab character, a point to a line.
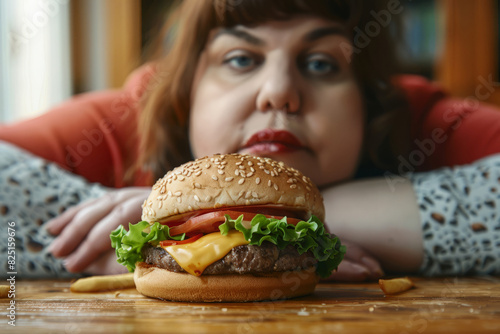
240	62
321	66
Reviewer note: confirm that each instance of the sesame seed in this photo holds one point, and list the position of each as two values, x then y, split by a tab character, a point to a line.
178	193
179	199
221	172
198	173
181	178
254	194
236	172
250	163
241	181
238	163
208	198
214	178
252	169
248	194
267	171
229	179
293	186
197	185
269	183
275	187
196	198
257	180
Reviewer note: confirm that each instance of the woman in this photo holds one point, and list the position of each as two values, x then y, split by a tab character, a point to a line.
287	80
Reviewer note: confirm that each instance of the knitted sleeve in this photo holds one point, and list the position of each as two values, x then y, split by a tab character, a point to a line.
32	191
460	218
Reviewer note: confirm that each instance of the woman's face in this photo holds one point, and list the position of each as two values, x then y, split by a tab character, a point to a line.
284	90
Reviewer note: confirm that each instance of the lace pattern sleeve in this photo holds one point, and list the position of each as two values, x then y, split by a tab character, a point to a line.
460	215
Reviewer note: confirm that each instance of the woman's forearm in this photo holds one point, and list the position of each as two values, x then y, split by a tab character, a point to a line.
382	216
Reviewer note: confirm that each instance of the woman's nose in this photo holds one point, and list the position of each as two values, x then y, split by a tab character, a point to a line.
278	89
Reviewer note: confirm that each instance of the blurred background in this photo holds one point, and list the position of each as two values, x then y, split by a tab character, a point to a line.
53	49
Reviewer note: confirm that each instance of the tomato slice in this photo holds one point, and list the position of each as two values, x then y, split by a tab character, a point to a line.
272	210
195	237
209	222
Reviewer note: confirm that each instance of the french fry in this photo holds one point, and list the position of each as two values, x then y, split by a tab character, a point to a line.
395	285
4	291
103	283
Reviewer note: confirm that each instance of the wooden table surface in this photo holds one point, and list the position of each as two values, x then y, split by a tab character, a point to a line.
444	305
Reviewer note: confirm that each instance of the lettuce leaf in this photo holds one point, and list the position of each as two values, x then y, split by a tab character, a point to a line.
305	236
128	245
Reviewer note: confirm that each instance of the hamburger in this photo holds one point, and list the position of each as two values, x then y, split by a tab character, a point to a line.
229	228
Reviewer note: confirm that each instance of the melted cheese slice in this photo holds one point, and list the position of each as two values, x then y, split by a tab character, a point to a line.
197	255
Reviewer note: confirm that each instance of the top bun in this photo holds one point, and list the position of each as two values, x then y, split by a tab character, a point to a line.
227	180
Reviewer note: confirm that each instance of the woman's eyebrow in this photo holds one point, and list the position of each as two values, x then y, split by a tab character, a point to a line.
322	32
240	34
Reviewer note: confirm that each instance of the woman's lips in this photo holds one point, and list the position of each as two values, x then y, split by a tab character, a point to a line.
272	141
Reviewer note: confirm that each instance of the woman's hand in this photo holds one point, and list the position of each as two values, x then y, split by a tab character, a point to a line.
83	230
358	265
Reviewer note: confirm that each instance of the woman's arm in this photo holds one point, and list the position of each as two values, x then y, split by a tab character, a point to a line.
382	216
442	222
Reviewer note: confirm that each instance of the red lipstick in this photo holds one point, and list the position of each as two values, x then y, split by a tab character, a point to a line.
273	141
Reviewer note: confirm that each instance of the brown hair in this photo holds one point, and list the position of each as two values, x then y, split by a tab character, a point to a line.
164	121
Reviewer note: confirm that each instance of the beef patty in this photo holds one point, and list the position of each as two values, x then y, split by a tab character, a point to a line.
246	259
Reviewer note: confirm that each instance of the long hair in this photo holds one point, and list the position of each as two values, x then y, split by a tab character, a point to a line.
164	120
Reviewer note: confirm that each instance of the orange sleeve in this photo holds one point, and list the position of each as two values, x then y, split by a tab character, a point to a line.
93	135
90	135
448	131
462	131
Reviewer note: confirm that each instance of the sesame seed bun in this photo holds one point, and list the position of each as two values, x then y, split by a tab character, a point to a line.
160	283
230	180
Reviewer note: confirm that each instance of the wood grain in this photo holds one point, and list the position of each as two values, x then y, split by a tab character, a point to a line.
470	50
445	305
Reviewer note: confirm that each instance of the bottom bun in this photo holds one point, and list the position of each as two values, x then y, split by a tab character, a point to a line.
160	283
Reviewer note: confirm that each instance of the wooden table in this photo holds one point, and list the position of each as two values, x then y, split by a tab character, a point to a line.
445	305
